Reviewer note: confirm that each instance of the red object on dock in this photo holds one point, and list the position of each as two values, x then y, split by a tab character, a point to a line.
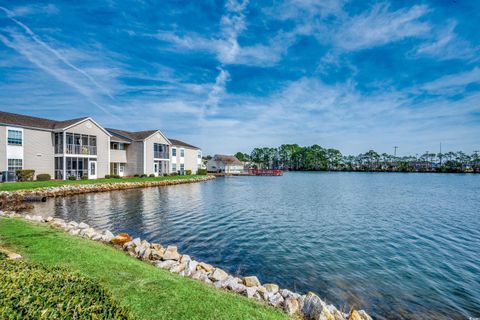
266	172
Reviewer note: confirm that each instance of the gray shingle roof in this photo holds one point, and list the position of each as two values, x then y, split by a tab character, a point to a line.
138	135
35	122
232	160
180	143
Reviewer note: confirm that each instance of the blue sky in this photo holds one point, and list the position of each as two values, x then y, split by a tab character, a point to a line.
232	75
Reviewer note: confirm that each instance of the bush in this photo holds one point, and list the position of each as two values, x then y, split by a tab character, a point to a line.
188	172
84	178
173	174
43	177
72	178
107	176
136	176
165	174
202	172
151	175
25	175
29	291
143	176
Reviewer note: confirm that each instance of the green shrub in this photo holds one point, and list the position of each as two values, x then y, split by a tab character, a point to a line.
43	177
84	178
174	174
29	291
107	176
25	175
202	172
72	178
165	174
188	172
136	176
143	176
151	175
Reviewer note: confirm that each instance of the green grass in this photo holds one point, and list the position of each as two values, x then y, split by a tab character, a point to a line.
146	291
14	186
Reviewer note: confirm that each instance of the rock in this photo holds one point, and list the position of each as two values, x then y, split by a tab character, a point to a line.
156	246
275	300
73	224
89	233
251	281
178	268
190	267
107	236
83	225
359	315
171	253
287	293
291	306
137	242
74	232
96	237
167	264
236	287
50	218
185	258
218	274
202	276
271	288
250	291
146	254
156	254
314	308
121	239
205	266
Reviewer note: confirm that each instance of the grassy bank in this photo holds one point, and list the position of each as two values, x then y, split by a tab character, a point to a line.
148	292
15	186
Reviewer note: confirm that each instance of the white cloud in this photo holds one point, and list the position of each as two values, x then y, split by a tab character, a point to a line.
216	93
454	83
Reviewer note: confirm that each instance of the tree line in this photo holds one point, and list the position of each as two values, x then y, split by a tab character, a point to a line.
317	158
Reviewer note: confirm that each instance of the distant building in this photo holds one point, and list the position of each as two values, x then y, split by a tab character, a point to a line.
225	164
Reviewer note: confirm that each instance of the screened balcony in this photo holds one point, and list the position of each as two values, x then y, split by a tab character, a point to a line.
78	144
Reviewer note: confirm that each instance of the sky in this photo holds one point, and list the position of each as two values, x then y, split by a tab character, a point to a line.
232	75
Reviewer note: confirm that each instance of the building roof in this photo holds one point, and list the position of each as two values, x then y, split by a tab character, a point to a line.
231	160
34	122
179	143
138	135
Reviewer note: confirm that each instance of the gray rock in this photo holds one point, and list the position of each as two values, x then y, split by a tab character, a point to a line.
237	287
185	258
157	254
179	267
167	264
83	225
108	236
275	300
74	232
314	308
286	293
146	254
190	267
137	242
251	281
271	288
250	291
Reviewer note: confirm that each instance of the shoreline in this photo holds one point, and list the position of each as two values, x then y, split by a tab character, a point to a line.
308	306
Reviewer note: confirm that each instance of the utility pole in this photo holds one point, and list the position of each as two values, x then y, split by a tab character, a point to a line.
440	154
395	151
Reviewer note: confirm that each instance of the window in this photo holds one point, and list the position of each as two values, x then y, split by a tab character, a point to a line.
199	155
14	165
160	151
174	152
174	167
182	153
14	137
182	167
117	146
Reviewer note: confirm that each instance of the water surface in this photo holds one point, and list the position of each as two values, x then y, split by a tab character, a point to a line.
401	246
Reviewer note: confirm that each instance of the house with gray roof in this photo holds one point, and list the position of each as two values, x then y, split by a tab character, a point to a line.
82	147
185	157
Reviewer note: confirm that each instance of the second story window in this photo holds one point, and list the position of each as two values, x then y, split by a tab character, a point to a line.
117	146
14	137
160	151
199	155
174	152
182	153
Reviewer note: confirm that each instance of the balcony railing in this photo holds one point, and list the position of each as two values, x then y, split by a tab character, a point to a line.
160	154
81	149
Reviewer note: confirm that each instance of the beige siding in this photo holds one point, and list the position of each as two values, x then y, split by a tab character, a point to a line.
3	148
156	138
38	149
134	159
189	160
118	156
103	144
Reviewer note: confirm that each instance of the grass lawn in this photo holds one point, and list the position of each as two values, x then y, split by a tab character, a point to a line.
14	186
148	292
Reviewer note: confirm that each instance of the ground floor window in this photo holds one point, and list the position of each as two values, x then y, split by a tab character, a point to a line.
117	168
174	167
182	168
14	165
74	166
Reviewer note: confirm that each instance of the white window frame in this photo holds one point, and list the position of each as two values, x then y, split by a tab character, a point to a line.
21	136
16	166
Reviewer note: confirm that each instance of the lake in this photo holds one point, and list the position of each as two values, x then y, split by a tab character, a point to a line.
399	245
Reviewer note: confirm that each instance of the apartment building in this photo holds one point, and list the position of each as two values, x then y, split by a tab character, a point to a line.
81	147
185	157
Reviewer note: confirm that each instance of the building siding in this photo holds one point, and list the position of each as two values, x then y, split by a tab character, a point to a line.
118	155
103	144
38	149
3	148
134	159
155	138
189	160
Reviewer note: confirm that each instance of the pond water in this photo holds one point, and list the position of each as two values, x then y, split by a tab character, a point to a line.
401	246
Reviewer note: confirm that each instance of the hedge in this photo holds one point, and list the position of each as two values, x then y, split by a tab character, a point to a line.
43	177
29	291
25	175
202	172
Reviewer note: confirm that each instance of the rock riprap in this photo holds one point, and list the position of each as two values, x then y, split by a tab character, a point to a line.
309	306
